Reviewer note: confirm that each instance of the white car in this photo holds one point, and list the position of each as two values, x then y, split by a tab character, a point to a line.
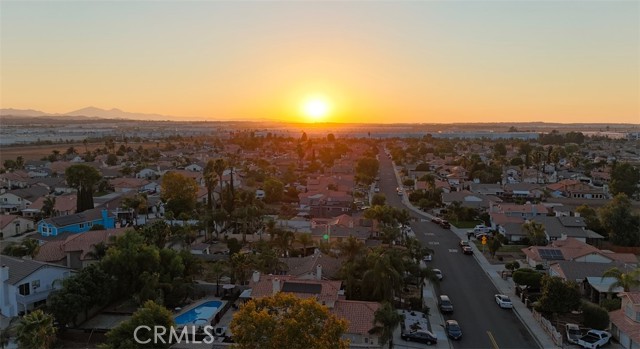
428	258
438	274
503	301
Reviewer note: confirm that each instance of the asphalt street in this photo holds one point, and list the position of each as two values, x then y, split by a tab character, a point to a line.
484	324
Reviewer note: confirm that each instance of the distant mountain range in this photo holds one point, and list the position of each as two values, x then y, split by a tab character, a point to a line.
91	112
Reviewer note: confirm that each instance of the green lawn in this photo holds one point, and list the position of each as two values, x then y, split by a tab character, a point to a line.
512	248
465	224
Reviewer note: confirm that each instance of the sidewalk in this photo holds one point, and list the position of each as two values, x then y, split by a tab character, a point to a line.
493	272
436	323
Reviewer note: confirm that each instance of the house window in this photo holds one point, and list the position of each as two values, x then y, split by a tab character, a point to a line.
24	289
81	225
366	340
35	284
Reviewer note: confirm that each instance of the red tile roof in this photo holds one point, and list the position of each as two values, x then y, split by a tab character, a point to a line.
626	325
359	314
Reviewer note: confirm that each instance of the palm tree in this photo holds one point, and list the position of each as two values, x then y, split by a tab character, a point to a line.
31	247
384	274
48	207
99	251
4	337
351	247
536	233
219	166
305	239
210	182
241	264
283	240
627	281
386	319
218	270
36	331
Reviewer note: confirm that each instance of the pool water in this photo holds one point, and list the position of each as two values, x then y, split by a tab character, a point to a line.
200	314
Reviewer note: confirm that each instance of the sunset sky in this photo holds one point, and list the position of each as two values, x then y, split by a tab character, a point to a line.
370	61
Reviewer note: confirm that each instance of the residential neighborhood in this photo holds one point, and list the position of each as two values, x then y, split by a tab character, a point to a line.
374	230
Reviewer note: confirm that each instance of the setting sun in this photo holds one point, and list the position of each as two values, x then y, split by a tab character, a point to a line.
315	108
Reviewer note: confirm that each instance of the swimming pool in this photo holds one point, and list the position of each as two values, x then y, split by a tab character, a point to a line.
199	315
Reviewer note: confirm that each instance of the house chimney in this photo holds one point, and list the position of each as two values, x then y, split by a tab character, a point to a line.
351	223
256	276
4	273
534	209
319	272
276	285
563	236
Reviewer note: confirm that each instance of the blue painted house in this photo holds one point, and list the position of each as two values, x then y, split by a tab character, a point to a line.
77	223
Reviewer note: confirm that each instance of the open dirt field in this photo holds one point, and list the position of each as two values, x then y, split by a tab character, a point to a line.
37	152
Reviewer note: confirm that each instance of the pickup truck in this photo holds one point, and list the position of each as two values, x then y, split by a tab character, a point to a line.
594	339
573	333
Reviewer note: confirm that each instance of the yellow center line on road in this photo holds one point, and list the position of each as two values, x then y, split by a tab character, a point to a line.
493	340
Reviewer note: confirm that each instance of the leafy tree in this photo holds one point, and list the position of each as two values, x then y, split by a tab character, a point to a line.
179	192
621	224
500	149
156	233
367	170
558	296
627	281
528	277
594	316
512	265
624	179
10	164
112	159
378	200
90	287
36	331
284	321
590	216
387	320
274	190
83	178
535	232
151	314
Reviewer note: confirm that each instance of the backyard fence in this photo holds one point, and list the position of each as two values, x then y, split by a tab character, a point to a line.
548	327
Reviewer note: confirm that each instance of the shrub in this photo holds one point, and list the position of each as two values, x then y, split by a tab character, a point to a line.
594	316
415	303
527	277
611	304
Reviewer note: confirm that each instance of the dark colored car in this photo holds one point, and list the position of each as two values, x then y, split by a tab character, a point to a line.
445	224
452	329
467	250
420	337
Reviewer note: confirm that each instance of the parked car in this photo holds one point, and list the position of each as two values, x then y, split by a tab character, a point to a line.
503	301
464	243
453	330
428	258
467	250
445	305
481	228
376	189
421	336
594	339
445	224
573	333
438	274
